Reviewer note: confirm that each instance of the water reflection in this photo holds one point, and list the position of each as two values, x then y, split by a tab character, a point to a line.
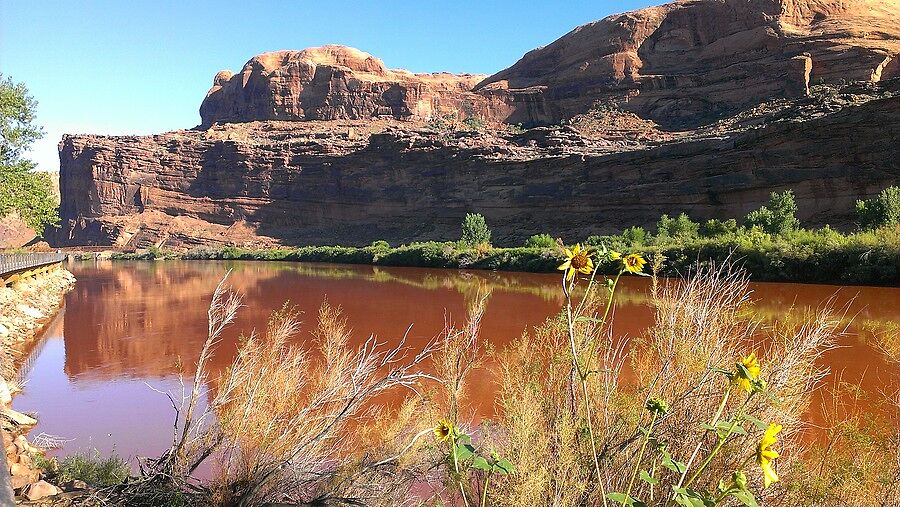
127	325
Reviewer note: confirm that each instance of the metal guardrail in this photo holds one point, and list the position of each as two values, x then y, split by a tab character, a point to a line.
11	263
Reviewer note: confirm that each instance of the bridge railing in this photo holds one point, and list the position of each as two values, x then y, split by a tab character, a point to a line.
11	263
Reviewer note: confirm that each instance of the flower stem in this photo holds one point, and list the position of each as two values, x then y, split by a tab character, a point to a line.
719	444
713	422
456	468
583	380
637	465
487	481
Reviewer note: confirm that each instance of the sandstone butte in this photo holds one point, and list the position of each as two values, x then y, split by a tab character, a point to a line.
701	106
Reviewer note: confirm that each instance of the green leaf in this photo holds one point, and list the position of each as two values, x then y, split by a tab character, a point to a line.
756	422
464	451
723	426
690	498
744	372
646	477
627	501
480	463
746	498
671	464
504	466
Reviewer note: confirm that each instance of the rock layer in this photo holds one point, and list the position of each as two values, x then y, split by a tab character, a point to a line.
700	106
353	182
679	64
684	63
336	83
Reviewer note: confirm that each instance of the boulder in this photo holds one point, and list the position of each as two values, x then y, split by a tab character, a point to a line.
41	489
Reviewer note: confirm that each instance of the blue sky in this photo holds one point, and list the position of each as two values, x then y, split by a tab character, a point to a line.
140	67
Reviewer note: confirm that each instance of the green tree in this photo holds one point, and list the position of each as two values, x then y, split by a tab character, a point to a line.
778	217
634	236
879	211
21	188
714	228
475	230
681	227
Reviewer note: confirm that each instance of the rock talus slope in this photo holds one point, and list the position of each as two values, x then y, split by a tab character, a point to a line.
702	106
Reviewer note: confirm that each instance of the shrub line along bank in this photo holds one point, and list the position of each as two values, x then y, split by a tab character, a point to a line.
770	245
855	261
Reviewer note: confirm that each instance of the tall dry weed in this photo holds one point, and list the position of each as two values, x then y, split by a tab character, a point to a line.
701	326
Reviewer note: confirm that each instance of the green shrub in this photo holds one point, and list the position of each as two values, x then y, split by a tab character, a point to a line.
428	255
540	241
634	236
474	123
680	228
715	228
778	217
879	211
94	469
475	230
382	244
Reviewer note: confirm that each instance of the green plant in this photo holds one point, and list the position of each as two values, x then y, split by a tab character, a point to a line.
540	241
778	217
462	454
380	244
94	469
22	189
475	230
880	211
681	227
716	228
474	123
634	237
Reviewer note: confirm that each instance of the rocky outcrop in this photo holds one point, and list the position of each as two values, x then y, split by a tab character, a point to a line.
352	182
687	62
700	106
337	83
680	64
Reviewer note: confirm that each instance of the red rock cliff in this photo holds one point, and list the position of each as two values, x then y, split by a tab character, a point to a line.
336	83
687	62
362	166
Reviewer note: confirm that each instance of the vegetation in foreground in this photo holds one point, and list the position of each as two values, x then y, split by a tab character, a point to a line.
709	414
769	245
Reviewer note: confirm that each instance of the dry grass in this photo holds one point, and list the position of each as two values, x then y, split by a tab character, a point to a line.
701	325
294	425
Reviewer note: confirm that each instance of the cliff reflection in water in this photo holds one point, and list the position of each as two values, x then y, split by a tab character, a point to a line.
130	323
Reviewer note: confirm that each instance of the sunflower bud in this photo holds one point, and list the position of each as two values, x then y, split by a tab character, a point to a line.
740	479
657	406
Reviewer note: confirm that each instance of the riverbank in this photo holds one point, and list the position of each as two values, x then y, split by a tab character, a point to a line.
804	256
26	307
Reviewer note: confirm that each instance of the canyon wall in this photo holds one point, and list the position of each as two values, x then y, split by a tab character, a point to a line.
700	106
355	182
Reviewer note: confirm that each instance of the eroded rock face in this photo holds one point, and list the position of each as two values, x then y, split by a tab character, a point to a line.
352	182
700	106
682	64
336	83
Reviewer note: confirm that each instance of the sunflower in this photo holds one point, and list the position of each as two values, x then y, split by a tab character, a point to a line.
765	455
745	376
444	430
577	260
633	263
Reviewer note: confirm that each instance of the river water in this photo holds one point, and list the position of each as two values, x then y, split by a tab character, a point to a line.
128	330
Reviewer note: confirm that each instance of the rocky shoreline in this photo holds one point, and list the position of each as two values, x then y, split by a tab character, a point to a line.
26	307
